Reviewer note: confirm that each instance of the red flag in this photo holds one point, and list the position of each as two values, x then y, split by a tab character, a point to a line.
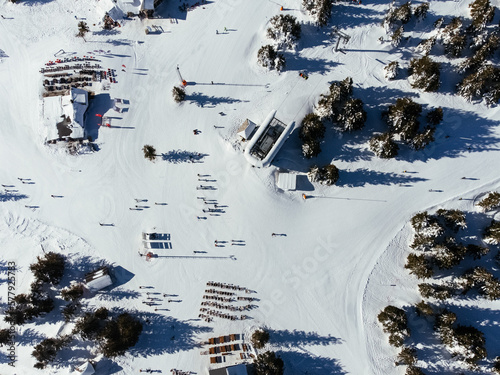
98	115
124	66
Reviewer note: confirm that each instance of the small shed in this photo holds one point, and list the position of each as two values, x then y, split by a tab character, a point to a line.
246	129
85	369
98	279
287	181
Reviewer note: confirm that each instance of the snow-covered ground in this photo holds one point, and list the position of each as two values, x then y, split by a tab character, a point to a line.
321	283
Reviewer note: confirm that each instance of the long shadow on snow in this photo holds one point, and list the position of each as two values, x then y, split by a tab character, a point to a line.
313	37
351	15
119	294
461	132
4	197
436	354
305	363
362	177
34	2
107	32
294	338
168	9
183	156
299	63
99	105
165	334
338	145
202	100
29	337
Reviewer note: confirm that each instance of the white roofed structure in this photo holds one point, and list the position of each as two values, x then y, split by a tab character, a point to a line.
98	279
267	141
85	369
287	181
246	129
64	116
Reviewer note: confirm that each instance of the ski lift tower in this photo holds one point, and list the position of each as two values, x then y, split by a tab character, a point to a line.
341	36
184	82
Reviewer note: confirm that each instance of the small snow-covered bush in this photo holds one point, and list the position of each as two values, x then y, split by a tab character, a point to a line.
453	38
179	94
482	54
330	105
496	365
407	356
270	59
285	31
398	15
394	322
480	278
319	10
49	268
440	292
420	11
397	36
72	293
311	148
422	139
402	117
327	175
491	234
424	309
352	116
312	127
383	146
481	13
419	265
260	338
491	201
391	70
484	83
435	116
149	152
83	29
424	74
46	351
425	46
448	255
268	363
413	370
311	133
120	334
453	219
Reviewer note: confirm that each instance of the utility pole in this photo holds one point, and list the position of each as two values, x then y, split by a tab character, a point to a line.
340	35
183	81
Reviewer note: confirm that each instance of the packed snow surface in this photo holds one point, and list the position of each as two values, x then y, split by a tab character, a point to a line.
332	264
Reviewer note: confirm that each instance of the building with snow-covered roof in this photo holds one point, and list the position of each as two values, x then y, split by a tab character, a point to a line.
246	130
64	116
85	369
98	279
287	181
267	141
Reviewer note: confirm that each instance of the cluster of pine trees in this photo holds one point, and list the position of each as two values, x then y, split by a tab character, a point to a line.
403	120
474	38
284	31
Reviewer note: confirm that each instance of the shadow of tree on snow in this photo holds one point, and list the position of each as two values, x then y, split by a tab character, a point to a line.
183	156
294	338
305	363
